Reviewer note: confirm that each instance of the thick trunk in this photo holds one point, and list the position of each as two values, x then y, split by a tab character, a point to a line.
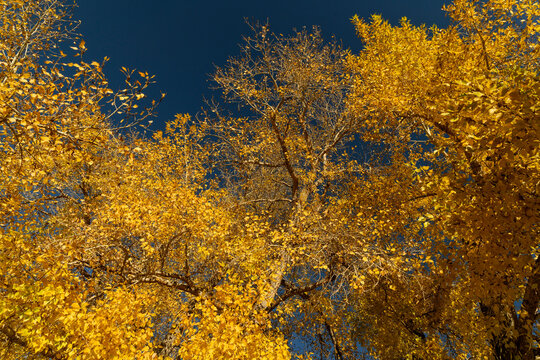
275	282
527	317
516	341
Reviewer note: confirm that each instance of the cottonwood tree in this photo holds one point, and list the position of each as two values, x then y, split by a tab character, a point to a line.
109	246
286	153
468	95
52	130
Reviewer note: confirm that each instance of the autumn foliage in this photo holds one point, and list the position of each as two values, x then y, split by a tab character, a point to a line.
333	205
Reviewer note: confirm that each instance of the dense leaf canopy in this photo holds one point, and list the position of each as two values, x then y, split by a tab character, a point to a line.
332	205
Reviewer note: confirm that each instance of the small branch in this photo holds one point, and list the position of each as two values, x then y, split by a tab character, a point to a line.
12	337
265	200
284	152
337	348
260	163
166	280
299	291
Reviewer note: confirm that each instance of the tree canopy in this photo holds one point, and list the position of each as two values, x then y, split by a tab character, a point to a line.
330	204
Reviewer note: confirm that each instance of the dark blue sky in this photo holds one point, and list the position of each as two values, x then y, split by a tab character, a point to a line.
180	41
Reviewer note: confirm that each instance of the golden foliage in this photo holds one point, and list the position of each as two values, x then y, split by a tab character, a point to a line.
378	204
470	93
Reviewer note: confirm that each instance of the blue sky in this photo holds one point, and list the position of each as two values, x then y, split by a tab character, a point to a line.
180	41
